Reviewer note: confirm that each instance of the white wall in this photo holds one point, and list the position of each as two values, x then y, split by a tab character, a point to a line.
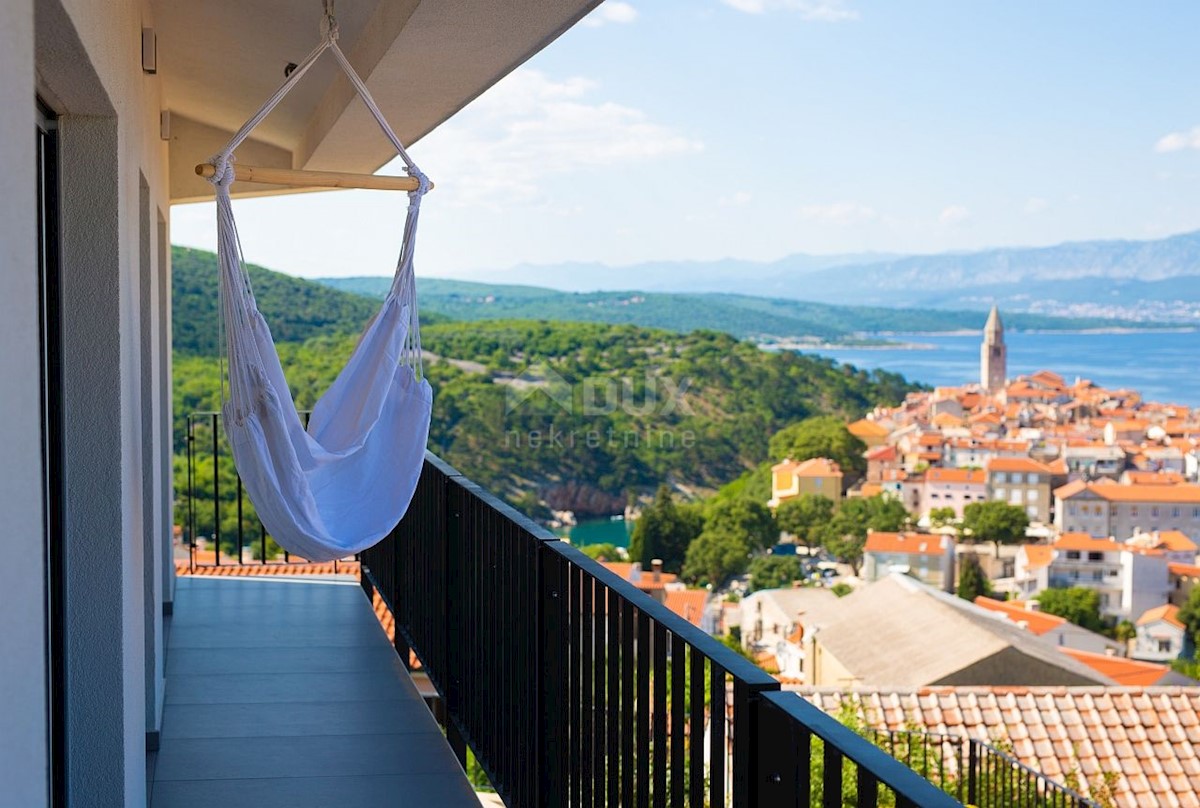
23	752
88	62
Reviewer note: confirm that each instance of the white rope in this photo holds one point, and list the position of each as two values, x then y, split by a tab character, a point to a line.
236	298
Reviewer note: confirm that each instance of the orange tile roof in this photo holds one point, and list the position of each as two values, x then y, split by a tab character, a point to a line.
1037	622
1176	541
1038	555
624	569
882	453
1145	736
931	439
864	428
913	543
1168	612
687	603
1154	477
813	467
1085	542
1017	464
971	476
1184	493
1188	493
1121	670
1184	570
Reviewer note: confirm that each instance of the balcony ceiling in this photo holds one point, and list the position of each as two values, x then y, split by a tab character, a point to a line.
422	59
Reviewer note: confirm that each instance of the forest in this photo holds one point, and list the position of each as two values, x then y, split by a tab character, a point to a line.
550	415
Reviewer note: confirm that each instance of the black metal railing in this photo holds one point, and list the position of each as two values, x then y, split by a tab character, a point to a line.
572	687
569	684
976	772
219	512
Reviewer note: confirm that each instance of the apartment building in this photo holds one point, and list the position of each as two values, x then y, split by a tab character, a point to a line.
1023	482
1112	509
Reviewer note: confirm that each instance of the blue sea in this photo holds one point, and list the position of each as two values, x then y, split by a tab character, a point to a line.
1163	366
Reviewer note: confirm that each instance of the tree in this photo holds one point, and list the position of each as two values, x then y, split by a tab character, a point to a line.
601	552
1078	604
804	516
972	581
774	572
752	521
995	521
1125	631
846	534
940	517
1189	615
824	436
664	530
714	557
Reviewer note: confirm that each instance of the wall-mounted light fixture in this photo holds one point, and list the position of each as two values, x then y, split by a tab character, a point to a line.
149	51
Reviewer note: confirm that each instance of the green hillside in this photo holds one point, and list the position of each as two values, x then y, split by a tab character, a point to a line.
295	308
559	415
744	316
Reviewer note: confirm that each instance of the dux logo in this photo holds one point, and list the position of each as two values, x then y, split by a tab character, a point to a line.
650	395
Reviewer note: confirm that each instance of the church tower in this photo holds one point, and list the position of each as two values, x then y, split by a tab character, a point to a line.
993	355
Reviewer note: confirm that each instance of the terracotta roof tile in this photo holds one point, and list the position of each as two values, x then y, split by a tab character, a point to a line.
1168	613
914	543
1089	730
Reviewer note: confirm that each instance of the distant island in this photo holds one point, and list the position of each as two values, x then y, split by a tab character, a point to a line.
761	319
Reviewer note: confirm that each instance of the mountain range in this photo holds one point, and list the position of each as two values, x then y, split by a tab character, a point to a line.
743	316
1156	280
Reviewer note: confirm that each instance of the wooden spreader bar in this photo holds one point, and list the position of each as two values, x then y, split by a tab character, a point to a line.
309	179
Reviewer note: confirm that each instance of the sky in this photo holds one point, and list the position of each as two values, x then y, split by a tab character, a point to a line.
754	129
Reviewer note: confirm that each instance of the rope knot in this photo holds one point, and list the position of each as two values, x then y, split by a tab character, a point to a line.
222	170
422	182
329	25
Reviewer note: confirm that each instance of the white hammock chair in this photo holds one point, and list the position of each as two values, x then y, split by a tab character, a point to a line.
344	483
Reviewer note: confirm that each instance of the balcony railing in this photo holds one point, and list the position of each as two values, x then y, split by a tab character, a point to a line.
976	772
572	687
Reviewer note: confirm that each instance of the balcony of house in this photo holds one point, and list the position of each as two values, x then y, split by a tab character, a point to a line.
566	683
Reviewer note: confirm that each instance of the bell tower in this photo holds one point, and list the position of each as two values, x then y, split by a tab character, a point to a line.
993	354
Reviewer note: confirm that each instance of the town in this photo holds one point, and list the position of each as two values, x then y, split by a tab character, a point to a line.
1037	595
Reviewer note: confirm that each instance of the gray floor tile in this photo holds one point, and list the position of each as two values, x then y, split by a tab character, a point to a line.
307	659
289	694
273	688
409	791
308	756
296	719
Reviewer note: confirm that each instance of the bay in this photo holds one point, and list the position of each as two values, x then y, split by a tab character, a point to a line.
598	531
1163	366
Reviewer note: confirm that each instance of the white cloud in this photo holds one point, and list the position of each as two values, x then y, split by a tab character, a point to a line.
530	127
1178	141
738	199
1035	204
814	10
613	11
954	214
839	213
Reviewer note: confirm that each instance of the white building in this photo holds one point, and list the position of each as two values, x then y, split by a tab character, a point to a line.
1160	634
1111	509
1128	580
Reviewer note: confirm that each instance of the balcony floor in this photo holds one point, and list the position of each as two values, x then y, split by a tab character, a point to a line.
288	693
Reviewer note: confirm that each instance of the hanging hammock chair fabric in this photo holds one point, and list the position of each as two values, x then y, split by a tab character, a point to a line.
342	484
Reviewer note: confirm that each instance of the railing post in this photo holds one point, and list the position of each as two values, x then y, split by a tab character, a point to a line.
551	747
453	538
779	773
748	744
399	587
972	773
